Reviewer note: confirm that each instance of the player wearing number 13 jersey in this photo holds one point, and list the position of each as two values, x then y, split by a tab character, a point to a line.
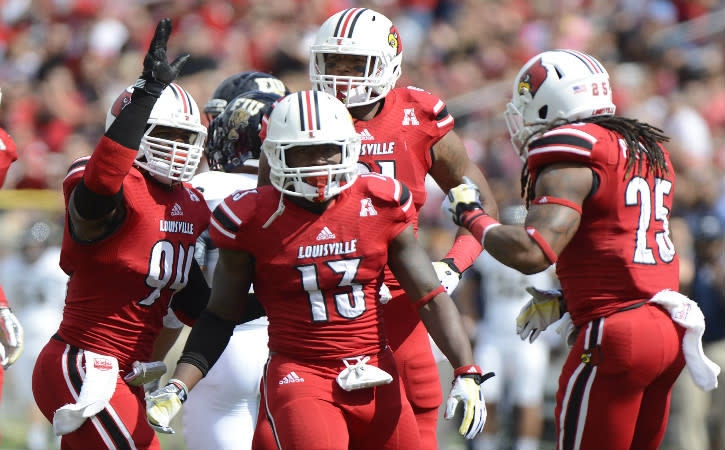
315	244
132	222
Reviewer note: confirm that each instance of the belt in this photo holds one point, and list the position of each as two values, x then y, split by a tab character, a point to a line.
632	306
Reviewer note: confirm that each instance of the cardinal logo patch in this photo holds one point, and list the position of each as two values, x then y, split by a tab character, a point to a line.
533	78
394	40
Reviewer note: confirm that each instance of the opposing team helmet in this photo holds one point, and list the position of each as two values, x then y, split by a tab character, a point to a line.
363	32
238	84
234	134
165	159
311	118
557	85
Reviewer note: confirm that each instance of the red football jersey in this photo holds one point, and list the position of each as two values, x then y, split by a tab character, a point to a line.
622	252
397	141
120	287
8	154
318	275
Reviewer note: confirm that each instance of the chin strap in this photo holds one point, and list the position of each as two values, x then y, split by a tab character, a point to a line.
277	213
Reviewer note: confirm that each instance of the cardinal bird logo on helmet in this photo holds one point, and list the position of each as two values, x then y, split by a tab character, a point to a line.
120	103
533	78
394	40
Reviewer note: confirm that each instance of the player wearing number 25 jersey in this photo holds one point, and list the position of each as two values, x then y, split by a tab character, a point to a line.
599	192
132	222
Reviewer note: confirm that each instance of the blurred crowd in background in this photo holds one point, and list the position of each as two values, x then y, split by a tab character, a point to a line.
62	62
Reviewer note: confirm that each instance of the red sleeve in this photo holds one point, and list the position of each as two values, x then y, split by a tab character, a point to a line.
229	218
3	300
8	154
395	193
435	109
108	166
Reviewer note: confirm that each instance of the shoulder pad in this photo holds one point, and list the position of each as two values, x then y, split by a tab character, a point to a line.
431	104
567	143
386	188
233	211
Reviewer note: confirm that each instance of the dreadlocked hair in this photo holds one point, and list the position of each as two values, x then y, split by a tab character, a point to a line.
642	140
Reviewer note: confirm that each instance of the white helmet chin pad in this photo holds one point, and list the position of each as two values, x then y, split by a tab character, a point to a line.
557	85
360	32
168	160
309	118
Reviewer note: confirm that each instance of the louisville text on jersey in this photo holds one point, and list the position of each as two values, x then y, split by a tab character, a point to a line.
327	249
176	226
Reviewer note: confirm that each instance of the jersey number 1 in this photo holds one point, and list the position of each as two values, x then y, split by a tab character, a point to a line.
349	304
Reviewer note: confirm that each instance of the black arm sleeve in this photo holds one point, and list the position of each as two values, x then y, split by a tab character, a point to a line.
207	341
189	302
253	309
91	205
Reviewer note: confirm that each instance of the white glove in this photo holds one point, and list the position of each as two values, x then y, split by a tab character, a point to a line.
544	308
145	373
164	403
462	198
385	295
11	337
467	389
448	276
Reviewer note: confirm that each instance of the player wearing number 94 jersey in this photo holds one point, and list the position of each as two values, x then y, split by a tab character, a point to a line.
132	222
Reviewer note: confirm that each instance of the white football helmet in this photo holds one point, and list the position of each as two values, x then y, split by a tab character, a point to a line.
311	118
556	85
364	32
165	159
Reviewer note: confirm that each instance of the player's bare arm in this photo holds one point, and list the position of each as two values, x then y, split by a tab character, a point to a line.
556	223
451	164
410	264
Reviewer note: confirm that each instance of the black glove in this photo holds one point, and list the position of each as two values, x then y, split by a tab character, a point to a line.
157	72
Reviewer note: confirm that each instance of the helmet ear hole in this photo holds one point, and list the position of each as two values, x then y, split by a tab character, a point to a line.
543	111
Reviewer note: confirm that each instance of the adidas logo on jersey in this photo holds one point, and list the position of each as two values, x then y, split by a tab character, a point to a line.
325	234
365	135
176	210
291	378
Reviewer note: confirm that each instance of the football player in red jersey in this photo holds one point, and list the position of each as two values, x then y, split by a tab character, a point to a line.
599	188
406	134
11	332
315	244
132	221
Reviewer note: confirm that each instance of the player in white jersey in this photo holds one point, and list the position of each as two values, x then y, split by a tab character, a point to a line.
221	411
503	292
